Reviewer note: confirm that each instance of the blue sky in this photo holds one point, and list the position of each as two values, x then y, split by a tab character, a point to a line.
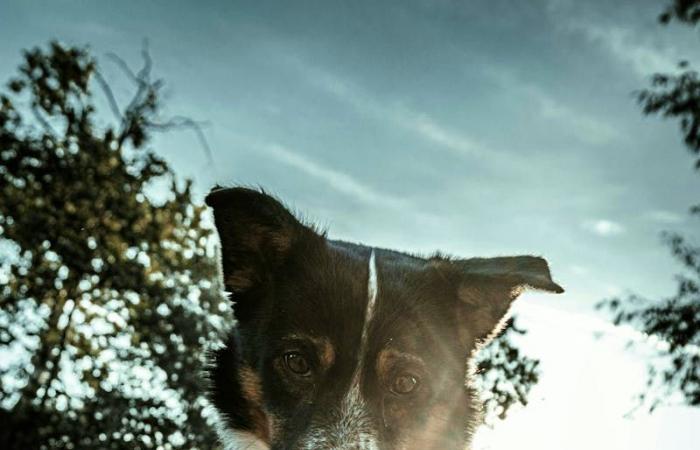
474	127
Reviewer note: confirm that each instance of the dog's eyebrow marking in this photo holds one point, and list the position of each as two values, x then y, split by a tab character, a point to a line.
324	347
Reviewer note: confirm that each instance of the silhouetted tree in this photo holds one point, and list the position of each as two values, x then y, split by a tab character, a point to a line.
674	322
505	374
108	287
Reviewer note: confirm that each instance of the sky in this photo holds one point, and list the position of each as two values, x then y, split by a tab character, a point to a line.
478	128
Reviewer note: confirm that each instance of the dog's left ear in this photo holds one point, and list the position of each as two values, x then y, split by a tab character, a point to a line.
488	286
257	235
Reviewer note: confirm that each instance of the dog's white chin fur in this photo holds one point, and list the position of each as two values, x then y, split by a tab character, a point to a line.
241	440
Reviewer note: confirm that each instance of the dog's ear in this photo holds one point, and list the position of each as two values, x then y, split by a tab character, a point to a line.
257	234
488	286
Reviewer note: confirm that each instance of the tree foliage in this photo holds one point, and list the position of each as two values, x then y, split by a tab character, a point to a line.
672	322
109	291
684	11
506	375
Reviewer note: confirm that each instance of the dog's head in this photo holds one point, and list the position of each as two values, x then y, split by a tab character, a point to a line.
341	346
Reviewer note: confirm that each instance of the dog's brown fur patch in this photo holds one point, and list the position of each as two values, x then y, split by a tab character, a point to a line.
240	280
387	358
251	388
324	348
326	352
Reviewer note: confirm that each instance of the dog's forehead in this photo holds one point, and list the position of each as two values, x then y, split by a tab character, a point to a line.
415	312
352	287
384	282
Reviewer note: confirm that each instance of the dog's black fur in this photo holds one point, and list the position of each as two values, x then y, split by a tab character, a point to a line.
301	305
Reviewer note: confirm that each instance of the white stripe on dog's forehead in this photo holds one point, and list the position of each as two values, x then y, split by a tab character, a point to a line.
372	292
353	404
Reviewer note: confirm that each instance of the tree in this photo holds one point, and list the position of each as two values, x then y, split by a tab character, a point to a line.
674	321
109	290
506	376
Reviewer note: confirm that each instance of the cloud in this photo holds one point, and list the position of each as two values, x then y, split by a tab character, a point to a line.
621	40
445	138
603	227
348	185
627	47
664	217
585	127
334	179
432	131
579	270
416	122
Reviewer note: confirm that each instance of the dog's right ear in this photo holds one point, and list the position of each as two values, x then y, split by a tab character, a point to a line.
257	235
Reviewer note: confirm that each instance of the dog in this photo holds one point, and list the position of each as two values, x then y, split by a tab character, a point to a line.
343	346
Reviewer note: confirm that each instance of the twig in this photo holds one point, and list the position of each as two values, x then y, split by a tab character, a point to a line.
145	87
145	72
114	106
123	66
186	122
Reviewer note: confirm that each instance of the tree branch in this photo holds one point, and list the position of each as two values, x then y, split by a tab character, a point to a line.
186	122
113	105
142	80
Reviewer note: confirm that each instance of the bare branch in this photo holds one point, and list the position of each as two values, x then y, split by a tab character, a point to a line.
124	67
142	80
113	105
186	122
145	72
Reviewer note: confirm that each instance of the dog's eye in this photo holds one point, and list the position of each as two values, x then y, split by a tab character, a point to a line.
404	384
296	363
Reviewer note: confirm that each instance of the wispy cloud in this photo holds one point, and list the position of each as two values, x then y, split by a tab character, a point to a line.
429	129
334	179
603	227
664	217
445	138
583	126
417	122
626	45
579	270
621	40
